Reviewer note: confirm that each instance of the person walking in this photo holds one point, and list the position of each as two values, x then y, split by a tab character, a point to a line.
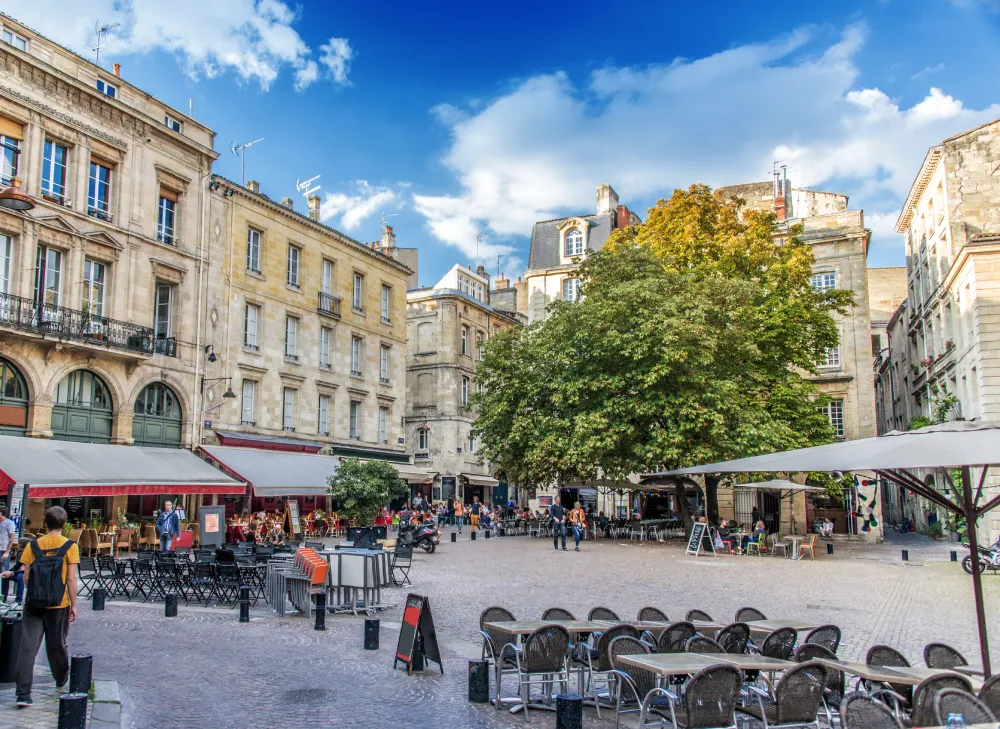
168	526
50	603
474	512
578	520
558	514
459	514
451	510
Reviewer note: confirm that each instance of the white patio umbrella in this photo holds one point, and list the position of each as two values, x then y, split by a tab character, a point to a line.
895	455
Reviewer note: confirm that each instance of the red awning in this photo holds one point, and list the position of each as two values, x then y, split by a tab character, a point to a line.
144	489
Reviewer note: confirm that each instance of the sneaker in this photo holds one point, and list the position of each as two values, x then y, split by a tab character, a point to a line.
577	549
565	550
23	701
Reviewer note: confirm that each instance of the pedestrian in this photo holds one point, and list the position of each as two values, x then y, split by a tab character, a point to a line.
474	512
50	604
558	514
451	510
578	520
754	515
459	514
15	573
168	526
7	538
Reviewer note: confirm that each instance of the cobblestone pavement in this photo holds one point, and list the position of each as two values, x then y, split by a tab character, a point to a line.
205	669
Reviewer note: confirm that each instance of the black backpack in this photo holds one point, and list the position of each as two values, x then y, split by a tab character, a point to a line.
46	587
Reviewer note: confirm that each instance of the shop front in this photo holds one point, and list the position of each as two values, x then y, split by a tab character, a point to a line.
478	485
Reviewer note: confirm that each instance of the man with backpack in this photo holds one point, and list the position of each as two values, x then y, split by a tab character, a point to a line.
168	526
49	605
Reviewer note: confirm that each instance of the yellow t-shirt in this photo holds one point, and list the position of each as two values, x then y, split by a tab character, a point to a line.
54	541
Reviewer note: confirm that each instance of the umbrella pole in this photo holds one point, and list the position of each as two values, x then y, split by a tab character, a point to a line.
977	580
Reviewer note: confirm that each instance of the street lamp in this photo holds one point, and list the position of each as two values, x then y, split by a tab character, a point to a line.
228	394
13	199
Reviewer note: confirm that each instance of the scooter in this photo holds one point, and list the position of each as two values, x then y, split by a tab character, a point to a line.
988	558
426	535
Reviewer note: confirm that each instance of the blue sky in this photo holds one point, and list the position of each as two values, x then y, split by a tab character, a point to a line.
466	117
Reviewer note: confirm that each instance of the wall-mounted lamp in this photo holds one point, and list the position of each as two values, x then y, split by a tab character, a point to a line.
210	351
13	199
228	394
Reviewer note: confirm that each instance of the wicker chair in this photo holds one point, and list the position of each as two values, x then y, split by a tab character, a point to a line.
632	684
954	701
883	655
596	664
746	614
698	615
833	693
924	694
542	661
709	699
498	646
793	702
989	694
703	644
652	614
779	644
939	655
674	639
827	636
734	637
858	710
603	613
557	614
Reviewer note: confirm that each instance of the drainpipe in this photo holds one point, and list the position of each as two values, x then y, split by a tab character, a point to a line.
196	421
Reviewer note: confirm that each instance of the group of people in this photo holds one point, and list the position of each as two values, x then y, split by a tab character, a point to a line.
260	529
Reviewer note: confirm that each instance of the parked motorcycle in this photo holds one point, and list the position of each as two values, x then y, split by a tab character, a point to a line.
426	535
989	558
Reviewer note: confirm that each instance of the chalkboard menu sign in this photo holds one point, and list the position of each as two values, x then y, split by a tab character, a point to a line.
294	522
700	540
74	509
417	634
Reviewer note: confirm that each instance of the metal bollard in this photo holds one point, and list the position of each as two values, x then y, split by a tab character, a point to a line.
829	547
473	536
320	611
569	711
170	605
954	556
906	555
100	594
479	681
73	711
81	673
10	639
486	534
244	604
454	537
371	634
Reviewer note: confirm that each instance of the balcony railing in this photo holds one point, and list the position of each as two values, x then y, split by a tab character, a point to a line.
383	380
328	304
100	214
64	323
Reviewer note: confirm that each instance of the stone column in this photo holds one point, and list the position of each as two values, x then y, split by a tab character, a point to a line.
121	426
40	417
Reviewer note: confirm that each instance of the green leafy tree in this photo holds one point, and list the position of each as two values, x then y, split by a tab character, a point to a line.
362	489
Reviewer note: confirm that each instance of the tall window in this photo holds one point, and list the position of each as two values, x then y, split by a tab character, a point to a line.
356	356
357	299
291	337
162	317
288	409
465	390
574	242
48	272
54	162
355	420
324	413
166	219
383	425
470	444
423	439
324	347
5	252
99	191
10	149
253	250
250	319
93	288
832	357
835	411
326	283
249	393
479	344
386	298
107	89
571	289
293	266
824	281
465	340
383	364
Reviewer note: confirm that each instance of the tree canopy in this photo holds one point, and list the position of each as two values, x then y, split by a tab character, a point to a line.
688	345
362	489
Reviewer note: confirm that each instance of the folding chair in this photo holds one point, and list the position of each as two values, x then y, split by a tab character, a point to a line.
402	560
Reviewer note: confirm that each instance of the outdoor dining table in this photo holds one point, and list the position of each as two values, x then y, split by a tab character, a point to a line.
905	675
794	539
771	625
526	627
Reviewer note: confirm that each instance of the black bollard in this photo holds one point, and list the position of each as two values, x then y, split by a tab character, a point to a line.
81	673
954	556
486	534
100	594
10	640
371	634
170	605
454	537
320	611
569	711
829	547
906	555
473	536
479	681
73	711
244	604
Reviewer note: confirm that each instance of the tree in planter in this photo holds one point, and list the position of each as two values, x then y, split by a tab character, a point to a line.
362	489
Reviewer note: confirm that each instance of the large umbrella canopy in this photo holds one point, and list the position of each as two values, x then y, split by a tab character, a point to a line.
955	445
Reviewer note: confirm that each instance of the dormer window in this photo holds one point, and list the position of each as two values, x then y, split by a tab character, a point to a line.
107	89
574	242
11	38
171	123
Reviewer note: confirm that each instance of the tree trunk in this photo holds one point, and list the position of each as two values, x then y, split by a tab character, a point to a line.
682	505
712	499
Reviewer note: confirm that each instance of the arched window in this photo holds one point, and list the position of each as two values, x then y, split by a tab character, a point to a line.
574	242
82	410
82	388
13	388
156	419
157	399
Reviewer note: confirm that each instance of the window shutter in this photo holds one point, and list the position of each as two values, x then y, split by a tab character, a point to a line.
11	129
168	194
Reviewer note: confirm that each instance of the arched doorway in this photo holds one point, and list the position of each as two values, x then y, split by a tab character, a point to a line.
156	421
13	400
82	410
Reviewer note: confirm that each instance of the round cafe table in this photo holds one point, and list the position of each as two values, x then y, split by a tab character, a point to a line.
795	539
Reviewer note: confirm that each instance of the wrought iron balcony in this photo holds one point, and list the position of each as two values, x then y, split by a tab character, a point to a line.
81	326
328	304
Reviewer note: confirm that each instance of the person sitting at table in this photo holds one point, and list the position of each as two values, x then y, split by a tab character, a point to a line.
758	531
275	534
234	532
726	536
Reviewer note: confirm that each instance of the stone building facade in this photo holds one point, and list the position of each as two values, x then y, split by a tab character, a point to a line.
306	325
447	327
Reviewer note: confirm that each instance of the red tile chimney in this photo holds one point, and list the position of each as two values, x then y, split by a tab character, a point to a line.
118	70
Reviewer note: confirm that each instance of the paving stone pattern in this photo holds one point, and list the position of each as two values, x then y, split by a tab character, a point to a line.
205	669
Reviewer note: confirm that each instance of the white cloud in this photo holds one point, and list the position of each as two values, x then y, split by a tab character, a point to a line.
255	39
539	150
353	209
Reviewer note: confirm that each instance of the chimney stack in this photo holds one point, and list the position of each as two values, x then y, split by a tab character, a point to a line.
253	186
388	238
607	199
481	270
314	204
501	282
118	70
286	202
780	193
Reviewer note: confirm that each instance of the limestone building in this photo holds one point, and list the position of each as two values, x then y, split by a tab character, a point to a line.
447	327
306	325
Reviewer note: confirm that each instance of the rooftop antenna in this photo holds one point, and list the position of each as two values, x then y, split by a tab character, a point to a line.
479	239
239	151
304	188
499	256
382	224
101	30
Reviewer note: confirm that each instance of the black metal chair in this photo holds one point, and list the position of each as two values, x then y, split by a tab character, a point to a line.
674	639
883	655
858	710
745	614
499	647
922	712
555	613
989	694
595	664
955	701
793	702
227	583
402	560
143	580
836	685
603	613
632	683
542	661
203	582
779	643
940	655
710	700
703	644
827	636
734	638
652	615
700	615
89	577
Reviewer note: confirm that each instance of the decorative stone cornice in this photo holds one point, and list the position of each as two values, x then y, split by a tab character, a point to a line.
62	116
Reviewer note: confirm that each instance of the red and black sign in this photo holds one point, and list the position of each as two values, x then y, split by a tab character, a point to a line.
417	636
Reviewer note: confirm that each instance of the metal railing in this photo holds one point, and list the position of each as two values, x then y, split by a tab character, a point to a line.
383	380
82	326
328	304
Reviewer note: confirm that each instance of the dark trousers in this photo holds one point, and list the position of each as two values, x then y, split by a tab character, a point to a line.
54	626
557	531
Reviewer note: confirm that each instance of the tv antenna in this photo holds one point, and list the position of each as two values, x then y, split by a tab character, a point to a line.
479	239
240	151
101	30
304	188
499	256
381	223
